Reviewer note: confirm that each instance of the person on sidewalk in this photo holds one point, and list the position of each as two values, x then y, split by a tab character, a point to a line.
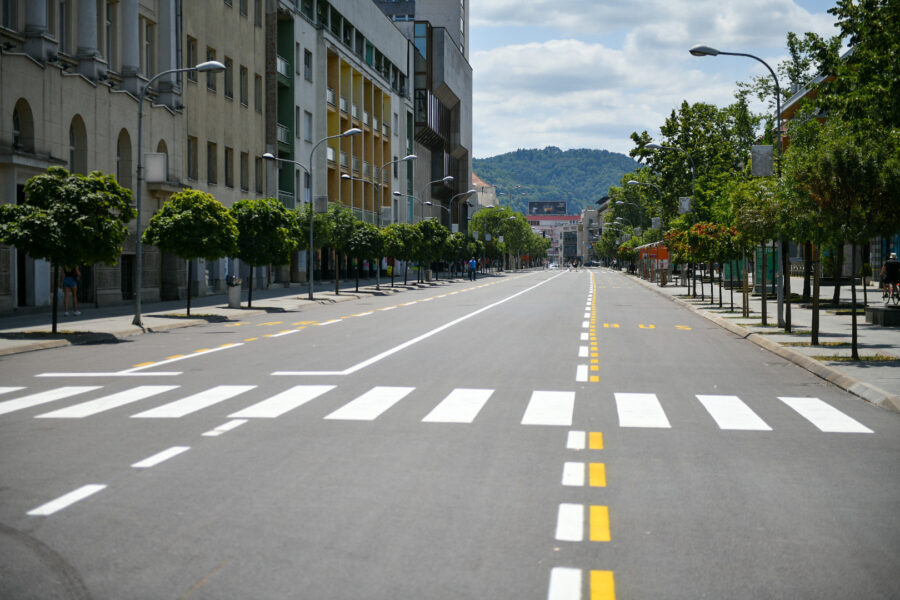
890	274
70	288
473	265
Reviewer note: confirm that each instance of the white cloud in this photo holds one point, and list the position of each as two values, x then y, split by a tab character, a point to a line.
606	68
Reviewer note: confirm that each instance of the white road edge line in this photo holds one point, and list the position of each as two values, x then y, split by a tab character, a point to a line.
66	500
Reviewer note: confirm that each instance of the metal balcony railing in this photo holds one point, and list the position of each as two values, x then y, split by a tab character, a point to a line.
344	104
344	159
284	134
367	170
329	153
365	118
329	96
286	198
283	67
354	111
355	164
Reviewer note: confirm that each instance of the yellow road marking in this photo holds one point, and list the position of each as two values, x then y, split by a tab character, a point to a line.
228	345
270	323
595	440
599	523
594	354
595	367
595	361
148	363
201	350
305	323
251	339
597	474
603	586
287	331
684	327
642	326
595	378
175	356
238	324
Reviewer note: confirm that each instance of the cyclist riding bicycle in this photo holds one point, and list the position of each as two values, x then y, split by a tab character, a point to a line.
890	274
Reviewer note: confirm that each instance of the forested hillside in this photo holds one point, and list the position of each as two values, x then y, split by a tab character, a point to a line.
577	177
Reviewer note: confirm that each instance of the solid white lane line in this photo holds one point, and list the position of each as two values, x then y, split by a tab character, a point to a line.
281	403
576	440
93	407
113	374
407	344
824	416
66	500
640	410
460	406
581	373
159	457
570	523
370	405
550	408
565	584
582	351
283	333
573	474
730	412
330	322
225	427
44	397
199	401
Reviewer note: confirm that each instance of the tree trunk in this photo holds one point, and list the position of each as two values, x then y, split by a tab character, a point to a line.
337	271
721	264
786	269
838	270
854	350
189	278
731	287
405	271
250	289
357	275
54	301
745	287
807	269
765	291
815	297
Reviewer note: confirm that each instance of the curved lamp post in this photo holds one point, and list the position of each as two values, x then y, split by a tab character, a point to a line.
380	182
701	50
446	179
638	206
269	156
658	191
211	66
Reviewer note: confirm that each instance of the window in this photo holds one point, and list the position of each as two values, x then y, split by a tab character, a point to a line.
148	48
212	155
259	175
245	94
244	8
210	75
245	174
307	65
109	29
123	159
307	190
257	12
229	167
257	93
307	126
297	58
192	158
191	58
297	122
10	19
229	78
77	146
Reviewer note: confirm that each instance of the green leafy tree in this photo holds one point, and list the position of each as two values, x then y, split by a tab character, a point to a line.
321	232
457	249
69	220
342	224
365	243
433	244
401	243
267	234
192	225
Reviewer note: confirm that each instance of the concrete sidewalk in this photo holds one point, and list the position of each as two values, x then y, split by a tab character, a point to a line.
875	378
32	330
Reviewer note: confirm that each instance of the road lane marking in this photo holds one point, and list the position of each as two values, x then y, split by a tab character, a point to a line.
597	474
283	333
225	427
66	500
585	324
683	327
570	523
565	584
460	406
160	457
573	474
582	351
599	524
581	373
603	585
824	416
6	390
729	412
281	403
584	336
370	405
177	358
408	343
640	410
93	407
329	322
642	326
199	401
44	397
550	408
575	440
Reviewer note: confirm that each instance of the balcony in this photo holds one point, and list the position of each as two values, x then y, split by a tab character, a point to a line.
356	164
375	123
385	129
344	104
344	161
354	112
367	170
286	198
283	134
365	118
329	96
329	154
283	67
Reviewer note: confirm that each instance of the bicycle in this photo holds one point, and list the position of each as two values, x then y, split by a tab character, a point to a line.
891	292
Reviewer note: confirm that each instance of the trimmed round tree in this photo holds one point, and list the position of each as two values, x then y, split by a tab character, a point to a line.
365	243
267	234
69	220
192	224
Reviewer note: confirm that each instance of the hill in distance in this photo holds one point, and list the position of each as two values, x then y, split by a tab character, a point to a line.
578	177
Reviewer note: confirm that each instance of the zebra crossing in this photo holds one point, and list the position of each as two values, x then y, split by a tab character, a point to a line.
457	406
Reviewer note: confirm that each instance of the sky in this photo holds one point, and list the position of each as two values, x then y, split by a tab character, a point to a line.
587	73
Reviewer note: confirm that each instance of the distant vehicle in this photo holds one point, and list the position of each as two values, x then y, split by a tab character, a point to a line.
553	266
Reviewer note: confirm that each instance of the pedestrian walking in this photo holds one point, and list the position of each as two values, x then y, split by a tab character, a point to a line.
473	265
70	288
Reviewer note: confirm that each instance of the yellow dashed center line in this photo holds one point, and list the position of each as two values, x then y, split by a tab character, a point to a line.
599	519
144	364
253	339
602	585
595	440
201	350
597	474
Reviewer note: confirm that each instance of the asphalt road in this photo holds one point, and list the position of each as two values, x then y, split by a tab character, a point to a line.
547	434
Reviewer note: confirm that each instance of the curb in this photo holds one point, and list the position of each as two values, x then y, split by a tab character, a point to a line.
868	392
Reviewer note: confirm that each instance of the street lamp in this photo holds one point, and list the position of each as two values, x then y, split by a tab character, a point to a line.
211	66
638	206
450	202
446	179
269	156
380	176
661	227
701	50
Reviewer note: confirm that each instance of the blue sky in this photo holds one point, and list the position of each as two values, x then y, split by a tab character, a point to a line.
586	73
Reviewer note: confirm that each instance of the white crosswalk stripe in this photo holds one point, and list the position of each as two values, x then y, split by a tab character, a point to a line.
459	406
186	406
